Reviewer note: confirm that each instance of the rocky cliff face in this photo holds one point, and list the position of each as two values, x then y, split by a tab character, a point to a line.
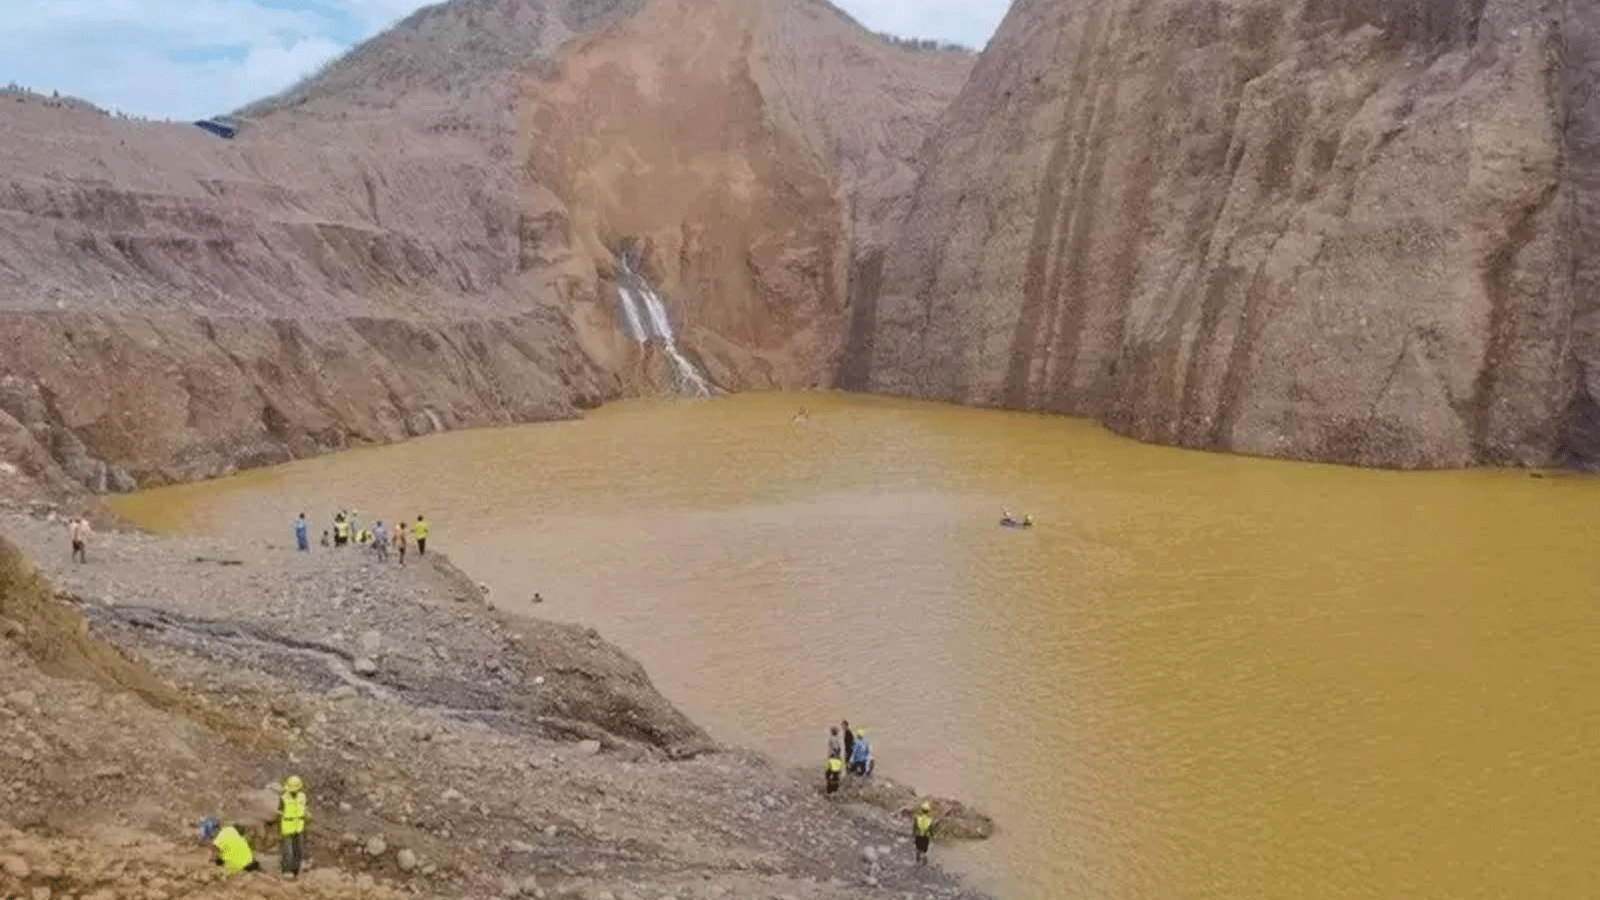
1580	93
1325	229
421	237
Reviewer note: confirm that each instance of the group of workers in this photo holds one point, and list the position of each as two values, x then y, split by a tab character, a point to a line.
850	751
347	530
852	754
230	844
231	847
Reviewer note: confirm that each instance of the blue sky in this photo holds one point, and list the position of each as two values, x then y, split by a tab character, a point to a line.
196	58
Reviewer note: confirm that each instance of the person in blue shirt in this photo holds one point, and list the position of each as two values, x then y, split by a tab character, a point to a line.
861	755
302	533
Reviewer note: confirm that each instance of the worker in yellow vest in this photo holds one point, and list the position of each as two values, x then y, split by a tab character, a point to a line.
420	532
922	831
341	531
232	851
835	769
292	825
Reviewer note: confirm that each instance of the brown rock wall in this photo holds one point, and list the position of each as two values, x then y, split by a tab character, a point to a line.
1324	230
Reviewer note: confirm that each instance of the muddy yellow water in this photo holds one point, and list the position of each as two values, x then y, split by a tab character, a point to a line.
1199	676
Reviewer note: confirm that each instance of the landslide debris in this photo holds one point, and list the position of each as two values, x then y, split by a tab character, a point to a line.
390	249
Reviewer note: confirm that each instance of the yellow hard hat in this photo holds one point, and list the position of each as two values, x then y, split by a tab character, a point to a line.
926	806
861	732
294	784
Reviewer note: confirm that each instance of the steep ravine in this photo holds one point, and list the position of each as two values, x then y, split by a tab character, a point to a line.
1345	231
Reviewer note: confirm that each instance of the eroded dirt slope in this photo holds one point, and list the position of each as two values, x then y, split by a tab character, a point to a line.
754	149
1351	231
390	249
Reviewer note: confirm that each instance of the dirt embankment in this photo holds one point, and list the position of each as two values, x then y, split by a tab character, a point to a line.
1358	232
451	751
422	237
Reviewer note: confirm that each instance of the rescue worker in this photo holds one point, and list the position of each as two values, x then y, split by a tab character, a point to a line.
849	739
232	851
341	530
420	532
292	825
922	831
835	767
861	755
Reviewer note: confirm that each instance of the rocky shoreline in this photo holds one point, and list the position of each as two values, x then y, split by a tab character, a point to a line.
452	749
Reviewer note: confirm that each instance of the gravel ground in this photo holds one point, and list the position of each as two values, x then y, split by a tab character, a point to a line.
503	756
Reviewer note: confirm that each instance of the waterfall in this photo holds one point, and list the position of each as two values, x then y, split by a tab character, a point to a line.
630	315
645	318
658	316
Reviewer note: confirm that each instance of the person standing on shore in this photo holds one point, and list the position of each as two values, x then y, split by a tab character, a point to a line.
834	747
341	530
400	541
860	755
922	831
78	531
849	739
835	769
420	532
302	534
292	825
380	540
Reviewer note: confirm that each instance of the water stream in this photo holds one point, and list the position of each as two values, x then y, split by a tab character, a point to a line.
645	318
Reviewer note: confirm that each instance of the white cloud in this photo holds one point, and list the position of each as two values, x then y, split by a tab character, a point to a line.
182	58
968	22
186	59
